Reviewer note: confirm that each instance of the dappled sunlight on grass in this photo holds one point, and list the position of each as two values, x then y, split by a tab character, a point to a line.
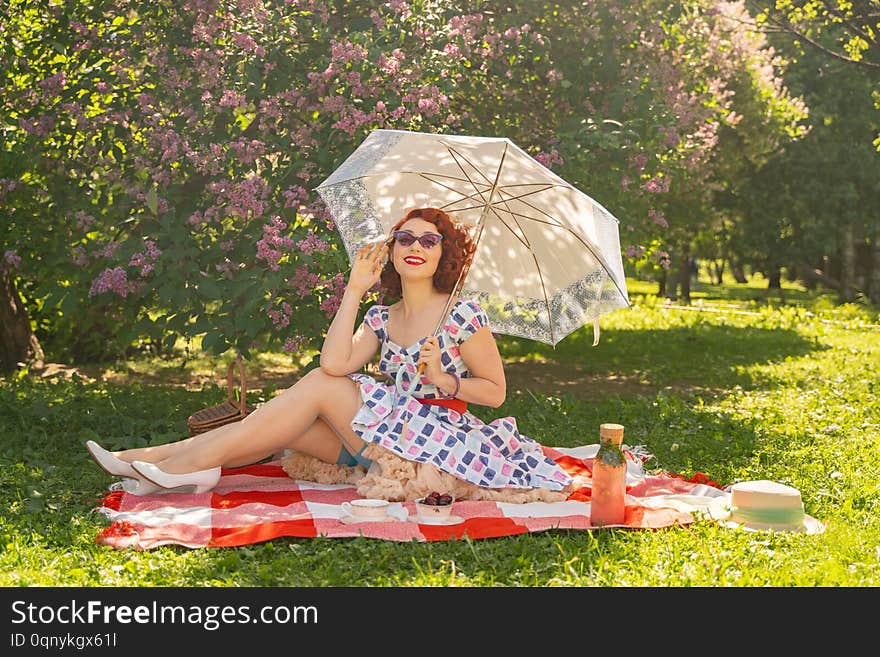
663	348
195	371
771	393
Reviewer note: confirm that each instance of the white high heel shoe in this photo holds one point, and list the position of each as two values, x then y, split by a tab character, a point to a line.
200	481
109	462
132	481
139	486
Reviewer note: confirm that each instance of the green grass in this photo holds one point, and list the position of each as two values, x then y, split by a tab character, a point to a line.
740	390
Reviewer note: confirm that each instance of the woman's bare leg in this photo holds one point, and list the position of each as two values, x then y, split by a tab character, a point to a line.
287	420
160	452
320	438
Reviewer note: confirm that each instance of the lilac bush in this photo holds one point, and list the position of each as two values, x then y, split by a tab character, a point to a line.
160	158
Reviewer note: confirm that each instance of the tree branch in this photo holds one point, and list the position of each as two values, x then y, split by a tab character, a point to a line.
857	29
788	27
784	25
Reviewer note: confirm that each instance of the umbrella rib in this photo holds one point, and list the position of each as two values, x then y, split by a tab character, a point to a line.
586	244
480	225
431	175
538	265
440	175
525	241
505	200
510	198
539	210
528	245
487	204
548	184
471	181
521	196
536	220
544	292
514	215
456	154
464	197
555	223
382	173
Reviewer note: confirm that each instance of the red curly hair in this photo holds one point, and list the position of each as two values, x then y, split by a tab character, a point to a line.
458	249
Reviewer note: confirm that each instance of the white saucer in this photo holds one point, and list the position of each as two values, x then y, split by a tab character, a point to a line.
351	520
394	515
450	520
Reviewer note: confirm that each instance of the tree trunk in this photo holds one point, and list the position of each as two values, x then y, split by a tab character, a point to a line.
670	285
18	344
873	286
684	277
739	274
874	274
719	272
848	265
774	282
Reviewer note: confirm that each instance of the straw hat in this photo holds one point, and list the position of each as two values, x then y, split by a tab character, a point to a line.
765	506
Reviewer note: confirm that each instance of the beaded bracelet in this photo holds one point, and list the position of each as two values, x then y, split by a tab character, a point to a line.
457	386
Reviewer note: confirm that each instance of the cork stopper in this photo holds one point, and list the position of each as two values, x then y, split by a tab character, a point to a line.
611	432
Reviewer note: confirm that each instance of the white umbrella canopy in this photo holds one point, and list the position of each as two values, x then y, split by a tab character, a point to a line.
548	256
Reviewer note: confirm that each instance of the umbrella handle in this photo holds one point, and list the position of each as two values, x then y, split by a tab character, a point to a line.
406	419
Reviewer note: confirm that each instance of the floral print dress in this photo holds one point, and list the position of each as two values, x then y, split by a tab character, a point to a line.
492	455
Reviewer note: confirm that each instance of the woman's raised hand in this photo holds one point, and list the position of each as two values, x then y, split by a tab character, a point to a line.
367	267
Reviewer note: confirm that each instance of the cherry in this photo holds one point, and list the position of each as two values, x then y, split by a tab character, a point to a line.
435	498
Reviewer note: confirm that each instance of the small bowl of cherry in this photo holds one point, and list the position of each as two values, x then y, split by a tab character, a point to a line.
435	506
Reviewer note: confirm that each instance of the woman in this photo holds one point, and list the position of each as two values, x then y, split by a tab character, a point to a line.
333	413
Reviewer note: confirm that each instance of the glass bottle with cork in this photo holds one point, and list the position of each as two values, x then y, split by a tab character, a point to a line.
609	478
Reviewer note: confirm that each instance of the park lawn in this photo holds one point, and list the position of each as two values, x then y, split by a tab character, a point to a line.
733	387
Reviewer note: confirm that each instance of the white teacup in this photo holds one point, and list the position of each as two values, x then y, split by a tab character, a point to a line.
439	512
366	508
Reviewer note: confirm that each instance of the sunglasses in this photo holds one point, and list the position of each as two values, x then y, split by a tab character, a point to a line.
427	241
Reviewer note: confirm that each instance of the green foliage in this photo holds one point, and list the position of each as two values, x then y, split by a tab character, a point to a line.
734	391
832	30
158	160
839	28
799	204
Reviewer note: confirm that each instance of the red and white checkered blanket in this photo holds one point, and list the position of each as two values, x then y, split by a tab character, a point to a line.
261	502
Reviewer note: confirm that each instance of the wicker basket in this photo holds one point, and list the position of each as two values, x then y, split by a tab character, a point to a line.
231	410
